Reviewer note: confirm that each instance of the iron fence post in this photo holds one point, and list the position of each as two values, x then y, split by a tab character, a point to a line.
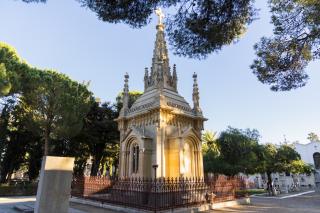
155	166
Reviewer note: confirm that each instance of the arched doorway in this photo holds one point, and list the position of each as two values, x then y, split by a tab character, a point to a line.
316	159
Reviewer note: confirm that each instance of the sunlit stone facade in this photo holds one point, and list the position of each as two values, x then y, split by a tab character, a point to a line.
160	128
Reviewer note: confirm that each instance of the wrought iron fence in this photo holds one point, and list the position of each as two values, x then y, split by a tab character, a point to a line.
157	194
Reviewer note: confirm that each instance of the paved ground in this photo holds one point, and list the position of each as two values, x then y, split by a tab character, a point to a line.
307	203
7	204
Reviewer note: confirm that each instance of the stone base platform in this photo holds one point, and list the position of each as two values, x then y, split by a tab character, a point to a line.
204	207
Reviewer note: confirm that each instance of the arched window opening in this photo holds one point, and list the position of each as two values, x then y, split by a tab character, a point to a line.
316	158
135	158
188	157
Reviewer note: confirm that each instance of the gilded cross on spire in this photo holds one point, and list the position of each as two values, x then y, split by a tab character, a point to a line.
160	15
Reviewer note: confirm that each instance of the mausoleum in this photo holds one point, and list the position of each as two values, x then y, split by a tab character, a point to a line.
160	133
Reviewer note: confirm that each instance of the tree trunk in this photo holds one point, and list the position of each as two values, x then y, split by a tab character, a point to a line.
270	187
3	177
46	146
95	165
47	131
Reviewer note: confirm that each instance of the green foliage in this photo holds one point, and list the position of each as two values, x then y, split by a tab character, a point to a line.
281	159
58	105
44	106
313	137
99	136
17	141
54	103
239	151
11	66
49	107
282	59
210	151
5	85
195	29
209	144
299	166
40	106
133	96
18	190
199	28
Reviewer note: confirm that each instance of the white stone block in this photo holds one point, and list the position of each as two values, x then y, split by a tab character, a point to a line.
55	185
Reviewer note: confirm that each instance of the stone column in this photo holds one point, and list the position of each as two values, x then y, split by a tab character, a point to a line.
128	164
181	156
200	163
196	164
121	160
141	161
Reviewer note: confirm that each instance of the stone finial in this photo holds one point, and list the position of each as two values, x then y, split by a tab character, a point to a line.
125	97
195	95
146	78
174	77
126	85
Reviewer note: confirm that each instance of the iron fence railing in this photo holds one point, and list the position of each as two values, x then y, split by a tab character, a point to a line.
157	194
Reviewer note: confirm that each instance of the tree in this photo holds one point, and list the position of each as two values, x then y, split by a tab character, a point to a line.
196	28
100	134
17	142
58	105
7	108
55	103
282	59
281	159
5	84
199	28
239	152
12	68
209	143
313	137
210	151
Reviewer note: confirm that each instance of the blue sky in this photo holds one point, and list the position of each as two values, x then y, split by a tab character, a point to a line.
63	36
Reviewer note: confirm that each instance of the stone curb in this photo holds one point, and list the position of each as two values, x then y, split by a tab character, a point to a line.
105	205
205	207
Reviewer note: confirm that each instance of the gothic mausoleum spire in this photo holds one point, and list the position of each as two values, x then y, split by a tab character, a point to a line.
125	97
160	75
195	95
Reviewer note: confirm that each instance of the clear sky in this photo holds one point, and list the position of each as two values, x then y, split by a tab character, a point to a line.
64	36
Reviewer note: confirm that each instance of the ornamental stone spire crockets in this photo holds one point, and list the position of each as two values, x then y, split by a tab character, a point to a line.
195	95
160	76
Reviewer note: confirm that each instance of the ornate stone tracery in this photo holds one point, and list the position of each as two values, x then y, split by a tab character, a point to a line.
166	130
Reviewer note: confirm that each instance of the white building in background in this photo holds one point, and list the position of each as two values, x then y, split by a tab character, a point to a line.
310	154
